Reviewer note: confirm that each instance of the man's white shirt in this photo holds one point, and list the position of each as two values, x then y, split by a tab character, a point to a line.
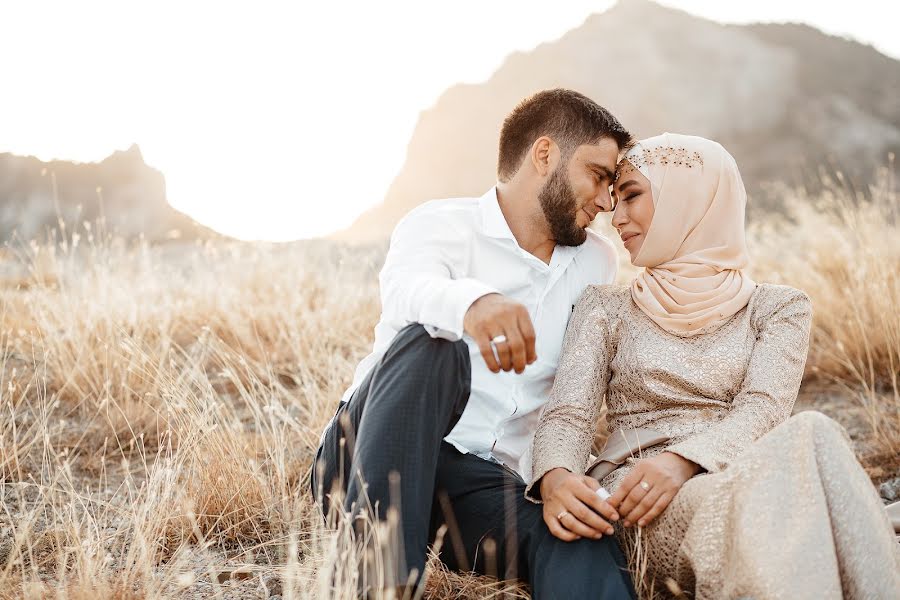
444	255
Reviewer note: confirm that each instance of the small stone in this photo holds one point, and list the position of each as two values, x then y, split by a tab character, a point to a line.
890	490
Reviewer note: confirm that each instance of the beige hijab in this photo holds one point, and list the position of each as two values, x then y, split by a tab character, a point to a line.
695	252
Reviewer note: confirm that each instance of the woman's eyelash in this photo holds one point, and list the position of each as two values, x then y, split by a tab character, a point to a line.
632	196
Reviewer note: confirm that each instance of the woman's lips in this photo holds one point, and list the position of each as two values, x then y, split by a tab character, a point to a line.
628	235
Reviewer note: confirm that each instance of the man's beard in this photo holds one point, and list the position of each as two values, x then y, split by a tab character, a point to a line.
560	208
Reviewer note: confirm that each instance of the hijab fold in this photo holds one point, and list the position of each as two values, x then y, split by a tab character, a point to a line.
695	252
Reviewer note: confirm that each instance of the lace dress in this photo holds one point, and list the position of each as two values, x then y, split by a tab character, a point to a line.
783	509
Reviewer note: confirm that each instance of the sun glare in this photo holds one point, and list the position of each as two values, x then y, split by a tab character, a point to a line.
272	121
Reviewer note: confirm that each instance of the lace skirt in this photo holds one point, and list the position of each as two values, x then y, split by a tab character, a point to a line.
795	516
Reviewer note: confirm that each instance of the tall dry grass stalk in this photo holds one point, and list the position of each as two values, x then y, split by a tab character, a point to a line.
842	247
164	403
161	406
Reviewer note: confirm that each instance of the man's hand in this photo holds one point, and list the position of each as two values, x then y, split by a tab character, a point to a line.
574	497
650	486
493	315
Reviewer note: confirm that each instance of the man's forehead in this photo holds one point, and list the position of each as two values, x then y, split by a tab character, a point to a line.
605	153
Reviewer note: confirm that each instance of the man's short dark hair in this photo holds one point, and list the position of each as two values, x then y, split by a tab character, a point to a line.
568	118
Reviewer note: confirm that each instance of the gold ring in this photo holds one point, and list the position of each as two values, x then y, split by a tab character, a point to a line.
561	515
645	485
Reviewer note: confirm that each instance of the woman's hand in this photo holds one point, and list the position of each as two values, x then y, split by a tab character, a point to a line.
572	508
647	490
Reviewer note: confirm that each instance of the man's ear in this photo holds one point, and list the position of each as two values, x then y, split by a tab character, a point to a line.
544	155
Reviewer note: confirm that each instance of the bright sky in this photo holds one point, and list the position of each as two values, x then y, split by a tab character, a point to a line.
285	120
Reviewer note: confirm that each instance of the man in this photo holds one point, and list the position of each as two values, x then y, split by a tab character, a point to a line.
476	294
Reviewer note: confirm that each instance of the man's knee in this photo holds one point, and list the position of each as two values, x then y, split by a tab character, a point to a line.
415	339
584	568
419	358
552	549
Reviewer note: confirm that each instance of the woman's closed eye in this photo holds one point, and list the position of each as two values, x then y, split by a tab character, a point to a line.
631	196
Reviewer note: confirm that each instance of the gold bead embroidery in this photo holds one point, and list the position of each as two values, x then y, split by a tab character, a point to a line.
664	155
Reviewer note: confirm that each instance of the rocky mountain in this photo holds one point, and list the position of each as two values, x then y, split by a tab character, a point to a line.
128	195
785	99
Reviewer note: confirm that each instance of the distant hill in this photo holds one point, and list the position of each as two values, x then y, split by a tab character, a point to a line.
783	99
121	189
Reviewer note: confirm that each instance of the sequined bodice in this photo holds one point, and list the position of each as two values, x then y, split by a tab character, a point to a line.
671	383
712	393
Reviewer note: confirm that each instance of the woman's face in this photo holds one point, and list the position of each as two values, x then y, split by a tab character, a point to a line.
634	209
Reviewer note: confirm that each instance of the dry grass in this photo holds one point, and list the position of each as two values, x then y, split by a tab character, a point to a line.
161	405
843	249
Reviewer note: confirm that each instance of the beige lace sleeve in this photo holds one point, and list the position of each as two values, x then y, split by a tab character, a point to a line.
566	429
767	394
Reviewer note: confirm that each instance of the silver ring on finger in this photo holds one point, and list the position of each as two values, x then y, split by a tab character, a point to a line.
645	486
498	339
561	515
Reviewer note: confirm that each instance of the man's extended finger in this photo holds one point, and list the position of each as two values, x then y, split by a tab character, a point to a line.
644	505
503	352
656	509
528	336
487	352
517	349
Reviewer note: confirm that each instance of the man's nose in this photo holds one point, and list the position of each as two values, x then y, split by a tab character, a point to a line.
603	201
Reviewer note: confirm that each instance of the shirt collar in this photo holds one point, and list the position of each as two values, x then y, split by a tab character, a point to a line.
492	220
494	225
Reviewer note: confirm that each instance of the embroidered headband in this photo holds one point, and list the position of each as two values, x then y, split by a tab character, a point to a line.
641	158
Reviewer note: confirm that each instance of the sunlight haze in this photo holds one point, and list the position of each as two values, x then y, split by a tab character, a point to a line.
282	121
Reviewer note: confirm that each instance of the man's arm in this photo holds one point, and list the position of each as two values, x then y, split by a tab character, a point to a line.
424	281
420	280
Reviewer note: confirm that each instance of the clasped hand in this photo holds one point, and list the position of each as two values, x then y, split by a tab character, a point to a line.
650	486
573	510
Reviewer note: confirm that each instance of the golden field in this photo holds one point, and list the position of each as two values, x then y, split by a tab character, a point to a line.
161	405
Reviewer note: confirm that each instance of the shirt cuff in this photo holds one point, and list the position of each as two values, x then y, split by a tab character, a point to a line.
460	297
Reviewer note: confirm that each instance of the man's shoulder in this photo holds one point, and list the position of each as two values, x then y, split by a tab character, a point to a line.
458	211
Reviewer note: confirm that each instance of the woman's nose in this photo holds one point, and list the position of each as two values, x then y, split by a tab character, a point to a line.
619	218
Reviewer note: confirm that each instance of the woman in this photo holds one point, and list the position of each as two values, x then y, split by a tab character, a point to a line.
732	498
